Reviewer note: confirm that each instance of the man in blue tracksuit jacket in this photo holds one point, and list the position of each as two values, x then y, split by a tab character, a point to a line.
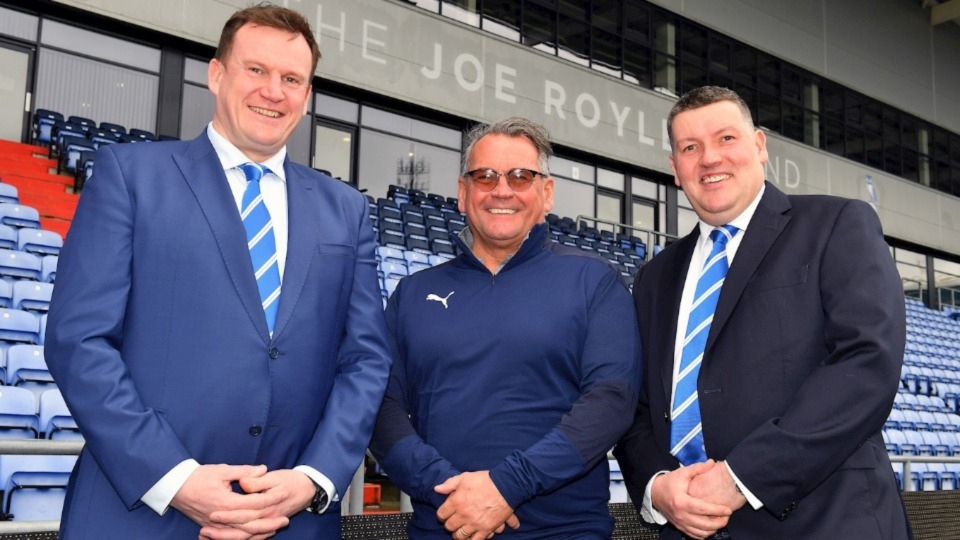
516	365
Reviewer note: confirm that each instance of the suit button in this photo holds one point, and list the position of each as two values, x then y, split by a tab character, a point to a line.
256	431
274	353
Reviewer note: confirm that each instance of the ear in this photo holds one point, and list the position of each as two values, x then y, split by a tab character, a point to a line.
461	194
214	75
760	139
548	185
673	167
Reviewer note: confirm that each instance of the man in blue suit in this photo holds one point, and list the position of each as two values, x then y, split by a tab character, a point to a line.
792	373
213	402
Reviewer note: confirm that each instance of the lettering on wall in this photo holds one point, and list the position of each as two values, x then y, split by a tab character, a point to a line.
467	76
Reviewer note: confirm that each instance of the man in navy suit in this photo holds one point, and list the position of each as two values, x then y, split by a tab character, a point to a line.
801	361
210	409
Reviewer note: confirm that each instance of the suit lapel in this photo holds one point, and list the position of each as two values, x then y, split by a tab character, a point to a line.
303	235
203	173
765	227
668	304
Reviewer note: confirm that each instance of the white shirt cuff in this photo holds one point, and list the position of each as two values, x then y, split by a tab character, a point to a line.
162	493
322	481
752	500
647	511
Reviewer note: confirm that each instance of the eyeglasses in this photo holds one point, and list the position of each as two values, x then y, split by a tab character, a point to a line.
518	179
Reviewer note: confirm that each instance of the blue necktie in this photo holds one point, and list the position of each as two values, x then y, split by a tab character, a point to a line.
260	242
686	436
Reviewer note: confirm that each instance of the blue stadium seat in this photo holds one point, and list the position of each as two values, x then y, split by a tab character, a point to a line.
9	193
35	486
43	122
48	268
39	241
19	215
142	134
117	129
389	285
6	294
8	237
416	266
56	420
32	295
19	326
18	414
20	265
26	365
394	268
86	123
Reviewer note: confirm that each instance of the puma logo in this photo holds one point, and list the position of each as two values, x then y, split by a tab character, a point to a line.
442	300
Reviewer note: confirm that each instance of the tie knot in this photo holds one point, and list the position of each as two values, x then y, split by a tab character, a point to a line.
721	235
253	171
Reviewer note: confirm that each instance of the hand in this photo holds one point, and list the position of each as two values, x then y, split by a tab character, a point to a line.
475	509
694	517
208	491
283	493
717	486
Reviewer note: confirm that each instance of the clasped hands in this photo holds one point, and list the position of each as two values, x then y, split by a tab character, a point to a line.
268	501
697	499
474	509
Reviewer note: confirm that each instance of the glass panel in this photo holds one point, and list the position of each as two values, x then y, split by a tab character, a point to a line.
14	66
637	65
609	208
574	170
636	19
606	15
641	187
464	11
539	27
610	179
502	17
913	272
720	53
574	40
606	52
644	215
333	150
388	159
572	199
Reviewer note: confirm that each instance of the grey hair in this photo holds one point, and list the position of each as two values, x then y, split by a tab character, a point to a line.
515	126
703	96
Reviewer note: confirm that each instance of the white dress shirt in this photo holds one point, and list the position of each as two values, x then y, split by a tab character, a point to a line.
700	253
273	187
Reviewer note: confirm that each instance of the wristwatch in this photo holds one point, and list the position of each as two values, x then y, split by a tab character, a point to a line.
319	502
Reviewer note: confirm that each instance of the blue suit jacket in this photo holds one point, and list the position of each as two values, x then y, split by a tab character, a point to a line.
158	341
798	376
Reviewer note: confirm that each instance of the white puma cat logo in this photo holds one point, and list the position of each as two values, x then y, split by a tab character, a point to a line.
437	298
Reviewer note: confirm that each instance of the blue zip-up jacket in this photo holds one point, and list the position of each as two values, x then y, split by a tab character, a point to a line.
531	374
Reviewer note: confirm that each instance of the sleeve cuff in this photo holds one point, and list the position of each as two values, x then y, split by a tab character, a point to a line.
162	493
322	481
752	500
647	511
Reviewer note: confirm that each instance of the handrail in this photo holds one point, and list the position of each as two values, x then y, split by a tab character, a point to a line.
649	233
36	447
907	460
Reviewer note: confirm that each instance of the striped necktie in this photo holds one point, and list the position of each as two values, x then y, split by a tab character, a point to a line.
260	242
686	436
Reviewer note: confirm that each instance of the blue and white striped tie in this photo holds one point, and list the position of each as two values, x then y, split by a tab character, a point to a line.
260	242
686	436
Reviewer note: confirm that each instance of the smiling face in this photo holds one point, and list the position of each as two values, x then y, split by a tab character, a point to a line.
262	89
501	218
717	160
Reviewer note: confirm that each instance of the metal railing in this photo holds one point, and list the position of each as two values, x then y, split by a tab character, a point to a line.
650	237
907	460
36	447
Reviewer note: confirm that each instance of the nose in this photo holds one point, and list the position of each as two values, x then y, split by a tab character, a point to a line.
711	156
502	189
272	88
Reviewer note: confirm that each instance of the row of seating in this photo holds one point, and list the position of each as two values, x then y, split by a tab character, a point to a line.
25	414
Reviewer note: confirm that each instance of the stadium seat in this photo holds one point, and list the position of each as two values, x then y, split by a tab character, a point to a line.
35	486
43	122
26	365
19	326
394	268
86	123
32	295
48	268
20	216
39	241
114	128
142	134
6	294
9	193
56	420
8	237
389	285
20	265
18	414
388	252
618	488
416	266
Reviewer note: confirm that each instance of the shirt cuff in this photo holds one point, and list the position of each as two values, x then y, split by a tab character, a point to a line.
324	483
162	493
647	511
752	500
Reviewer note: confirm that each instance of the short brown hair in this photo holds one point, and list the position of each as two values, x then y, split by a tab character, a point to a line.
703	96
269	15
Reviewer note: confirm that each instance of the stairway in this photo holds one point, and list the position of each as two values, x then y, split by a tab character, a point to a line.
27	168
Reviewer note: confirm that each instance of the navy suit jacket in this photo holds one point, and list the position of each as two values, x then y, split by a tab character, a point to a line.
157	338
799	373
